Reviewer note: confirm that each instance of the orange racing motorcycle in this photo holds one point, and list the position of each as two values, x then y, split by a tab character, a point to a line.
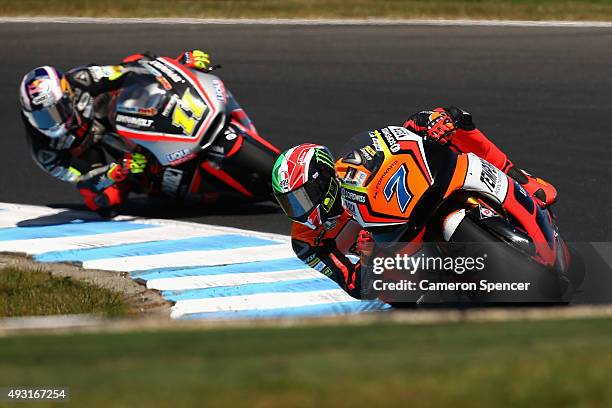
403	188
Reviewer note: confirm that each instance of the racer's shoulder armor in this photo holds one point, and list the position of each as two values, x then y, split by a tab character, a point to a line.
96	79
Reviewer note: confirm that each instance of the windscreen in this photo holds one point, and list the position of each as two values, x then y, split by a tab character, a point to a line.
141	94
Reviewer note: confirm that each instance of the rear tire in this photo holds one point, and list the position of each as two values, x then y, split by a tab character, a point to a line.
506	263
254	163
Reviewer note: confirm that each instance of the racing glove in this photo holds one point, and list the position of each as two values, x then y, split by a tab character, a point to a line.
440	126
442	123
132	163
196	59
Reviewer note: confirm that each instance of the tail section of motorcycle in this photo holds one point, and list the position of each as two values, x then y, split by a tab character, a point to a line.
236	167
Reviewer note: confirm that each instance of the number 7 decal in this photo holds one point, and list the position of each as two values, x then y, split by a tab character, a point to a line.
397	184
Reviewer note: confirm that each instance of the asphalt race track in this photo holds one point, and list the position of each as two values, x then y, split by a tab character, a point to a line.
543	94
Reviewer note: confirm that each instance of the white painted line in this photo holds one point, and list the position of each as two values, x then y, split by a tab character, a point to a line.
280	247
29	208
191	258
12	214
308	22
161	233
263	301
10	217
215	228
230	279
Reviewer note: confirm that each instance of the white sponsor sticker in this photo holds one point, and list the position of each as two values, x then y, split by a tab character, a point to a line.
130	120
169	72
484	177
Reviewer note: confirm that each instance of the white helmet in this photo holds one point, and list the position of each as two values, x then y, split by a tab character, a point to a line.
46	101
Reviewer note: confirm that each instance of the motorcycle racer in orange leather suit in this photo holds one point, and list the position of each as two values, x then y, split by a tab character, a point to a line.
323	233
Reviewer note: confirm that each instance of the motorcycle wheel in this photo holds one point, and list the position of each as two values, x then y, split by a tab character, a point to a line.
506	263
254	163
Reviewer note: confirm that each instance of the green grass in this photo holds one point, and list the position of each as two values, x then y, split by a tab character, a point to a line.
474	9
35	292
521	364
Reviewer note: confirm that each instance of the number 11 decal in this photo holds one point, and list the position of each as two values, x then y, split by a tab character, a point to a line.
182	118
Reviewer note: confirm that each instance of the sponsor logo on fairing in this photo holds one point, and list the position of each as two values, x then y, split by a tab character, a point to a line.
229	135
375	141
401	133
219	90
350	206
169	72
130	120
393	146
486	213
489	175
349	195
367	153
149	68
382	177
350	173
360	178
138	111
170	105
355	177
180	156
164	82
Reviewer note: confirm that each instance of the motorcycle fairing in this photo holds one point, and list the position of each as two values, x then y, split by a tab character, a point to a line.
485	178
537	223
377	201
388	194
481	177
185	121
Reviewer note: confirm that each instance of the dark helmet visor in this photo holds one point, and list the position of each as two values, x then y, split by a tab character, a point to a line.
299	203
51	116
